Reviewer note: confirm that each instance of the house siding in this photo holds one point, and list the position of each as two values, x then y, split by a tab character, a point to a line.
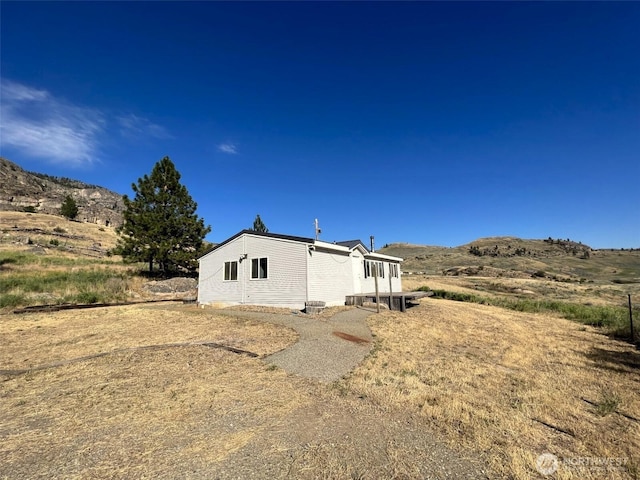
330	277
286	282
212	288
285	285
298	269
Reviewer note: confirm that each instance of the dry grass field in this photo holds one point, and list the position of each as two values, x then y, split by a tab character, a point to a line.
133	413
509	385
608	293
187	411
18	228
144	391
498	387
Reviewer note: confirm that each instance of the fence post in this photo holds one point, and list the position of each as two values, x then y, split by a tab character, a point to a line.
633	336
375	279
390	289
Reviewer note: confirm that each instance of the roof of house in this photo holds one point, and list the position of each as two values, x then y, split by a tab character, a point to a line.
349	244
352	244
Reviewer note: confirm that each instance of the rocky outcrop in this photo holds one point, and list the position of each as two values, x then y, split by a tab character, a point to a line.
27	191
172	285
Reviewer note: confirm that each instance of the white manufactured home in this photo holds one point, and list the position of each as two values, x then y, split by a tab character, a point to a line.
281	270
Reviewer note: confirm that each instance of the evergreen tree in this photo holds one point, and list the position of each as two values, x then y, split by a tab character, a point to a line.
259	226
69	208
160	224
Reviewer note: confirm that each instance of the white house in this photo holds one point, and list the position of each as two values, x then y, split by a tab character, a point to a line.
286	271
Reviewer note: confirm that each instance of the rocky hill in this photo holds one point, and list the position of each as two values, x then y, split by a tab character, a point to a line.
556	259
22	191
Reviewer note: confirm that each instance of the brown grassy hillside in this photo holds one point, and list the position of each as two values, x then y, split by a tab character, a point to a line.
520	258
29	231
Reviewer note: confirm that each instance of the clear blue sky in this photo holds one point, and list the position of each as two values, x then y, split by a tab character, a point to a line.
432	123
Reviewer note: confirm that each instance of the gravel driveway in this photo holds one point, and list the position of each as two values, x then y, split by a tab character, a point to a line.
345	437
327	349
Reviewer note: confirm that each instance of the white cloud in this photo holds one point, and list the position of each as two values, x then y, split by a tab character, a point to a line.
229	148
134	126
40	125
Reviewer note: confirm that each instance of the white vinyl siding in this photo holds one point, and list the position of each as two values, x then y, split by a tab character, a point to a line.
212	287
285	284
330	277
283	272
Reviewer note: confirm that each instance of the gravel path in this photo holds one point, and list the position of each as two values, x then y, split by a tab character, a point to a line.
327	349
343	437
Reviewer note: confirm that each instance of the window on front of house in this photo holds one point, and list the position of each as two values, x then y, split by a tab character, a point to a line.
372	269
231	270
259	268
393	270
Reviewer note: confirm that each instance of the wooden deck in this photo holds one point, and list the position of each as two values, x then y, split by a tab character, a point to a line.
396	301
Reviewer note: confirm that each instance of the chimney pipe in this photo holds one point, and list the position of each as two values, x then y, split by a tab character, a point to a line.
373	248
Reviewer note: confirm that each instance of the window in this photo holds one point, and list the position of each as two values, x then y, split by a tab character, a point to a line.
393	270
373	269
259	267
231	270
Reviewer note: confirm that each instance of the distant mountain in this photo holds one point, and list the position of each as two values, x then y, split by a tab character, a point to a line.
40	193
556	259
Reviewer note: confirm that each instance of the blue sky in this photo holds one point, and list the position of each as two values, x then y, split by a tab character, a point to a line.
423	122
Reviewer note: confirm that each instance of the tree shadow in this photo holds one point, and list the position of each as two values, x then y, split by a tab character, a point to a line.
617	361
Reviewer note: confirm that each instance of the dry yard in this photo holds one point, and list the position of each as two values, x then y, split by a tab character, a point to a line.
448	387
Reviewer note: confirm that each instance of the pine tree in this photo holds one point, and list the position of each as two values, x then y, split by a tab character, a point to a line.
259	226
160	224
69	208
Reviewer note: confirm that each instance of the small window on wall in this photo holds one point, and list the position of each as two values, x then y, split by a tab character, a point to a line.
372	269
259	267
231	270
393	270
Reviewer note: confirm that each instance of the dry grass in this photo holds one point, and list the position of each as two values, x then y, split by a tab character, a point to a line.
27	341
491	379
139	414
587	293
187	412
495	383
602	266
17	227
135	413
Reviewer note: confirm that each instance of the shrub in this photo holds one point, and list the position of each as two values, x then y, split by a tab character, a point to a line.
59	230
69	208
54	241
86	297
608	403
12	300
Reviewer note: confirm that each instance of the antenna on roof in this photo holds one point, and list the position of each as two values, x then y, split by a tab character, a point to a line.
318	231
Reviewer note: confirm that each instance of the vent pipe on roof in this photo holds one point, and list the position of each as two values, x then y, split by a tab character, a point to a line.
373	247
